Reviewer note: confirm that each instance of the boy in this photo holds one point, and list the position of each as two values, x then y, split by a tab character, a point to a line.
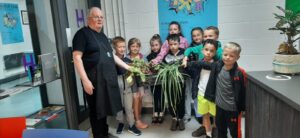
226	87
210	32
177	108
200	77
125	89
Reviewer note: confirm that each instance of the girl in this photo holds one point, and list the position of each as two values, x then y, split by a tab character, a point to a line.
197	37
134	46
158	99
174	28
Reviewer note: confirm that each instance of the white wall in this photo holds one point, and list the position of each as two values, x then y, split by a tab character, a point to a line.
247	22
141	21
8	49
242	21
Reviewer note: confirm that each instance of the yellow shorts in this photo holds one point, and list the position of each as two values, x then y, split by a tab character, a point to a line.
206	106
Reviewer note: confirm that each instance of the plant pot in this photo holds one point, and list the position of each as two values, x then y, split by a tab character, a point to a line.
286	64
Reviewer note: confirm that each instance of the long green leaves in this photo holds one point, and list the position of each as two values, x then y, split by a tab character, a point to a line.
172	81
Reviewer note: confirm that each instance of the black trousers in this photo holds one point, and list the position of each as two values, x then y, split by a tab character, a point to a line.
178	109
158	98
99	125
228	119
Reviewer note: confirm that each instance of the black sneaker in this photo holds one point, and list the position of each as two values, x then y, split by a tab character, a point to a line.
154	119
134	130
214	132
181	124
174	125
199	132
160	119
120	128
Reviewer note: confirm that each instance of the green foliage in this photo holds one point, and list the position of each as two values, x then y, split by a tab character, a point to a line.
171	79
288	24
138	68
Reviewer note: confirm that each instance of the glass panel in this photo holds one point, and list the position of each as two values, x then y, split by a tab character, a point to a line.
16	98
46	36
23	81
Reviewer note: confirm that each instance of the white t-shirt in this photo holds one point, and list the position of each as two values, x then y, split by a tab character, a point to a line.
204	76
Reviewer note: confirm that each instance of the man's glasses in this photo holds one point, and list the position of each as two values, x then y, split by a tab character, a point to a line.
97	17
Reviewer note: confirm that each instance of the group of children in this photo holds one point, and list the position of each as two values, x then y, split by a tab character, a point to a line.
216	83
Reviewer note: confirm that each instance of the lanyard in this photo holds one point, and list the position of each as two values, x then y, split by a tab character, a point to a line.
107	53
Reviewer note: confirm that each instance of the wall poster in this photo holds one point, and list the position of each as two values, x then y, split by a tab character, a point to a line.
189	13
10	24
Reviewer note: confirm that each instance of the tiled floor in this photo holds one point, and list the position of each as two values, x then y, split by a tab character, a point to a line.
158	131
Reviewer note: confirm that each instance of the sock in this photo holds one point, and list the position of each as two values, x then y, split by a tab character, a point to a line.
161	114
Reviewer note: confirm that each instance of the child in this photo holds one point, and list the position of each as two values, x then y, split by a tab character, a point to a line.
200	78
226	87
174	28
177	112
158	99
134	46
210	32
197	37
126	93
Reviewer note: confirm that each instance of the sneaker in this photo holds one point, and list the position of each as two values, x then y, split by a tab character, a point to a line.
199	132
154	119
160	119
120	128
181	124
186	120
214	132
174	125
133	130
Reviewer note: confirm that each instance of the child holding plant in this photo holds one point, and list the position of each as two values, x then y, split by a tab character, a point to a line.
158	98
174	82
125	89
134	46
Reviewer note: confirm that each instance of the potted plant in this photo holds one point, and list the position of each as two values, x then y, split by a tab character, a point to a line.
287	59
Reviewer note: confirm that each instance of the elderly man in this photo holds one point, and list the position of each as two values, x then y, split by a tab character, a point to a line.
95	62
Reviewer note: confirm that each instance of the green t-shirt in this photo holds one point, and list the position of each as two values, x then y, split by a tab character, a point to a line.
198	50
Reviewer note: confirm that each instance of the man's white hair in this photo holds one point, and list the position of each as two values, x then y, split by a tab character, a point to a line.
92	10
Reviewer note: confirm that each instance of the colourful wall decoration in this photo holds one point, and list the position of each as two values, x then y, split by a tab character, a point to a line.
10	24
189	13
